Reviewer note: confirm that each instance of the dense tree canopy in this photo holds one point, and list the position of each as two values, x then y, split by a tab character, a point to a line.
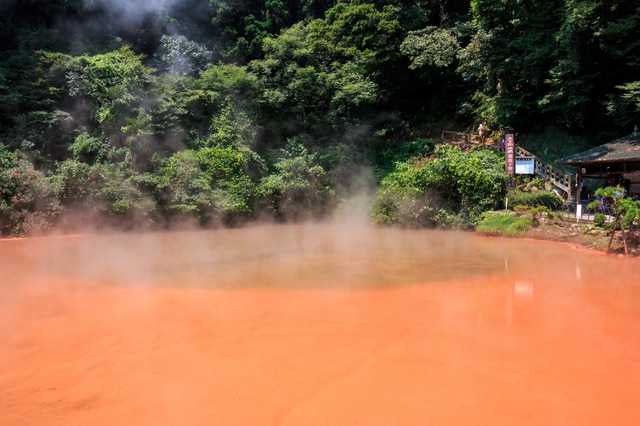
220	111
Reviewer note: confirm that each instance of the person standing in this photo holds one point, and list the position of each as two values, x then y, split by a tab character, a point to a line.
481	132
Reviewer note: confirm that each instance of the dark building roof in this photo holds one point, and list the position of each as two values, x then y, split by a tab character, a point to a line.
624	149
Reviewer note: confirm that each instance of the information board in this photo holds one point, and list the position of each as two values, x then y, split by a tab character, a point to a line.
525	166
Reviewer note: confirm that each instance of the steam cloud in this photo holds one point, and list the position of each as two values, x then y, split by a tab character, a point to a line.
131	12
102	18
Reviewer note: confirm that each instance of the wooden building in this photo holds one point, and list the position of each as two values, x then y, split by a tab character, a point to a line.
615	162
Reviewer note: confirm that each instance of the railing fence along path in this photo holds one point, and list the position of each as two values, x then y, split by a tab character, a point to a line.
559	180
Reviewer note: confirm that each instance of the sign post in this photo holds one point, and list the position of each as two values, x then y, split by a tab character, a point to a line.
510	163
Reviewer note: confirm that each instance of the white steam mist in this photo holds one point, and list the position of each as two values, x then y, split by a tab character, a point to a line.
338	255
131	11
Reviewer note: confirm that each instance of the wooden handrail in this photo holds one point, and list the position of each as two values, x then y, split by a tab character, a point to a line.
557	177
451	136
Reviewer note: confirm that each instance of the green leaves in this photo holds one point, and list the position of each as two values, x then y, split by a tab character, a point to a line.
430	47
243	25
211	183
361	27
511	50
110	86
28	199
107	95
451	184
624	106
321	72
297	189
180	56
624	208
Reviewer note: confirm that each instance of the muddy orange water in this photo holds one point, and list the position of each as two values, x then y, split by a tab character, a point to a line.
316	325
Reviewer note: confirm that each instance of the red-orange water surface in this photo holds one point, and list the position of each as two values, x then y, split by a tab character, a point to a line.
316	325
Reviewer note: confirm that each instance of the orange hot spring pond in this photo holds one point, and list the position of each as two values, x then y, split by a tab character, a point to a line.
316	325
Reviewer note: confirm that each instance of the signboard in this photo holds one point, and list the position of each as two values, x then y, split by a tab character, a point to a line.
525	166
510	154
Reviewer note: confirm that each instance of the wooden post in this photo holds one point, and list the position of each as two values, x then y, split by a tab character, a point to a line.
613	231
510	158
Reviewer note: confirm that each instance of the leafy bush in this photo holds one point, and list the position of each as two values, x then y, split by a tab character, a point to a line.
89	149
535	198
178	55
452	183
406	207
102	194
29	200
298	188
211	185
389	152
599	219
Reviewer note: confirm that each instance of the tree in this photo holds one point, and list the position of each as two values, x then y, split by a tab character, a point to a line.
624	105
319	75
242	26
29	200
298	189
106	91
180	56
597	51
211	185
106	96
431	46
191	110
625	210
113	84
509	54
29	108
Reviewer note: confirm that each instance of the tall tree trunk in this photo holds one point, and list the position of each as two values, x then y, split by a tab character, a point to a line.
624	240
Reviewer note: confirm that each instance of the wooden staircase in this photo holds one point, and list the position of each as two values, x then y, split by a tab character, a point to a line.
559	180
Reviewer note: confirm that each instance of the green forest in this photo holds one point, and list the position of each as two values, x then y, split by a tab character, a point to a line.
147	115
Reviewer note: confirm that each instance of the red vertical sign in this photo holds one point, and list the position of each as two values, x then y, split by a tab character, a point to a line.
510	154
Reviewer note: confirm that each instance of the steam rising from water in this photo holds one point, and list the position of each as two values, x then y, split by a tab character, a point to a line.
131	12
332	255
338	255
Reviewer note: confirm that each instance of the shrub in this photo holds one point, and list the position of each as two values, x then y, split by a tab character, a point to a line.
599	219
102	193
535	198
451	184
298	189
29	200
211	185
390	152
